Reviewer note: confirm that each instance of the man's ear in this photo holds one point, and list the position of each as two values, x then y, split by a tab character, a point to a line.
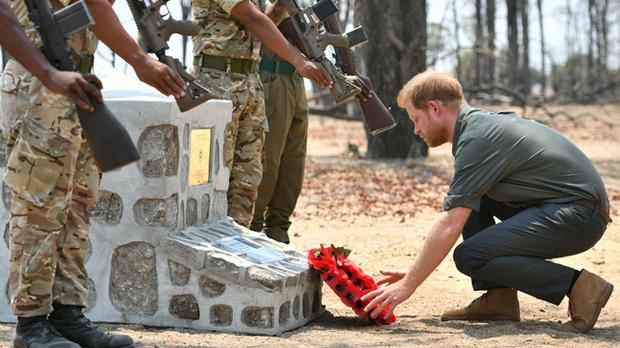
435	106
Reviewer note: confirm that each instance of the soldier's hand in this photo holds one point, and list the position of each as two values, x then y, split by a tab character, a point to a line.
75	86
363	83
160	76
316	73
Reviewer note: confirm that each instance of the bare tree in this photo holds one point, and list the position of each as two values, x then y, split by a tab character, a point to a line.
478	45
543	71
390	63
186	8
457	30
525	48
490	21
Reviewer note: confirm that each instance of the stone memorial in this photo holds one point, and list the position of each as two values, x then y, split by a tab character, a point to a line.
162	251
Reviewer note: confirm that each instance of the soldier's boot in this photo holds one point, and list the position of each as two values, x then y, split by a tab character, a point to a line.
495	304
37	332
278	234
586	299
71	322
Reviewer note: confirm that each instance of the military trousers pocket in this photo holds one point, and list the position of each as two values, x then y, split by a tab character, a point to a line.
36	162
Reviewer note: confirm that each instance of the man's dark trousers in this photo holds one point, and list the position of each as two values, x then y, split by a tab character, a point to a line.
514	253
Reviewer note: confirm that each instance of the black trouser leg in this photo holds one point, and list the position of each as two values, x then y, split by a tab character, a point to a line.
514	253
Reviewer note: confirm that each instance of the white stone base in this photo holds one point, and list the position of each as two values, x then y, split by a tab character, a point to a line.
150	261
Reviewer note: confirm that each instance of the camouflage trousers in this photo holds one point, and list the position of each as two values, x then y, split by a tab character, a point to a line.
54	182
243	146
285	153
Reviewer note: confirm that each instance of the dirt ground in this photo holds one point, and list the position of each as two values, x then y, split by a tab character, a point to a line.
382	211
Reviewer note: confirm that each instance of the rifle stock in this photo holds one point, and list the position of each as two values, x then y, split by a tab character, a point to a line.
108	140
377	117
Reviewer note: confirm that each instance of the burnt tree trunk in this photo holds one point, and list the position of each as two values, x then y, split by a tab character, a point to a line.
392	62
543	70
186	8
490	22
513	42
457	30
526	79
478	66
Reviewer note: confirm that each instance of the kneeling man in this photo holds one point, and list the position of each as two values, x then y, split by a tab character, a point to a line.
549	198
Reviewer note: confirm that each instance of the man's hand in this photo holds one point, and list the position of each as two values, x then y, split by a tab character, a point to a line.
363	83
391	295
315	72
110	31
160	76
391	277
75	86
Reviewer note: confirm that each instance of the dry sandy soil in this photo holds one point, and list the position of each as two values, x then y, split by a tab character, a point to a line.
382	211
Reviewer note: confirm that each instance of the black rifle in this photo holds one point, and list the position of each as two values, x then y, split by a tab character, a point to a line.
155	29
108	140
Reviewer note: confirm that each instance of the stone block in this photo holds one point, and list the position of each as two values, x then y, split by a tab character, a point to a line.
296	307
179	274
206	208
157	211
133	279
261	317
305	305
184	307
220	315
284	314
109	208
191	215
159	151
7	196
6	234
211	287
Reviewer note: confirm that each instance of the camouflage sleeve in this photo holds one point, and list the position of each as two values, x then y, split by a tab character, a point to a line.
228	5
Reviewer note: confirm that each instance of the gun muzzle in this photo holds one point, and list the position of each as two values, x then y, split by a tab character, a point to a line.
324	9
356	37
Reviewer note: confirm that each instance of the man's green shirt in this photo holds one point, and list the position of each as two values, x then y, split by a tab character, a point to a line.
519	162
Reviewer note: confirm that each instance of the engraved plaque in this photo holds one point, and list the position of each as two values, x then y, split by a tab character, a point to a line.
199	156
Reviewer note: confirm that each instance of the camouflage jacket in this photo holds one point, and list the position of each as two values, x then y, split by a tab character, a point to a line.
84	42
220	33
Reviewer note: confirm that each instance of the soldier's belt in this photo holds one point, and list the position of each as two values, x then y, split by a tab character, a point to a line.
83	62
276	66
235	65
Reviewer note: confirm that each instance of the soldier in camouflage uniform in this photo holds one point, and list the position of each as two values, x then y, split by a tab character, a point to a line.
225	60
71	84
54	180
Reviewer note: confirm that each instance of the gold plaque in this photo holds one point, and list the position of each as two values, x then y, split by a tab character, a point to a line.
200	156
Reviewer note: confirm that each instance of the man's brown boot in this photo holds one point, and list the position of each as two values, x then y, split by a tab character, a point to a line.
495	304
588	296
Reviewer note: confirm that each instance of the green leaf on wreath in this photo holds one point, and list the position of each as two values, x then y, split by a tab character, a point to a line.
345	251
